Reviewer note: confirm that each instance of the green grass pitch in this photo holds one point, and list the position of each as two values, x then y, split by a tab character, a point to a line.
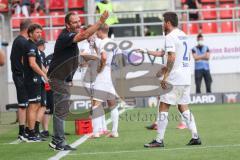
218	126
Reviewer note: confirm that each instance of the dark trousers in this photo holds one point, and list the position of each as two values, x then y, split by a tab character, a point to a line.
202	73
61	97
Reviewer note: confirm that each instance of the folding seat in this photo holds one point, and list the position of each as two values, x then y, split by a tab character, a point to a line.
56	20
56	33
56	4
75	4
227	27
210	27
226	1
210	14
228	13
183	1
4	7
193	28
16	20
37	18
208	1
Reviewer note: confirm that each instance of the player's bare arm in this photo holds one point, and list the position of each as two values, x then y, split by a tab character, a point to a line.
2	58
198	57
170	63
102	62
36	68
91	30
206	56
156	53
44	69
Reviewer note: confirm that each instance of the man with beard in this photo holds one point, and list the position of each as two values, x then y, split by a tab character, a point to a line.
177	73
61	71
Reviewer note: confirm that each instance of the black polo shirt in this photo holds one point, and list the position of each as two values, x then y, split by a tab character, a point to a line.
43	57
17	53
29	74
48	60
65	57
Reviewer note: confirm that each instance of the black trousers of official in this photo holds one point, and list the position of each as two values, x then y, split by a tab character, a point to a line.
199	75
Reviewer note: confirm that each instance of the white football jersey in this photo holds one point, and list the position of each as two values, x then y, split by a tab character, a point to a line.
105	75
177	41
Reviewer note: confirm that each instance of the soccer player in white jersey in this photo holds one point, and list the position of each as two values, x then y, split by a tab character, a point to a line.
103	87
177	73
91	46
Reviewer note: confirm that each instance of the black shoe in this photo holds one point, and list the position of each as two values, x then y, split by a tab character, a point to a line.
23	137
194	142
59	147
154	144
33	139
44	134
40	137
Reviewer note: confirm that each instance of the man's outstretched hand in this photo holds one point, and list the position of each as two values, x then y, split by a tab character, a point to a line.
104	16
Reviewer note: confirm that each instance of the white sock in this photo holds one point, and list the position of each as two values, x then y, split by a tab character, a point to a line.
190	122
115	117
161	125
182	120
104	125
96	120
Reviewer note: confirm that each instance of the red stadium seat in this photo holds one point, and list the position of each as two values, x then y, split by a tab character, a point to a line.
16	20
36	18
238	11
193	28
226	1
54	5
209	27
80	12
75	4
4	4
208	1
209	14
228	13
56	33
46	35
227	27
57	21
183	1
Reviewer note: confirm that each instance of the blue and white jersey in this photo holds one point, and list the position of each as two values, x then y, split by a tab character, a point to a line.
177	42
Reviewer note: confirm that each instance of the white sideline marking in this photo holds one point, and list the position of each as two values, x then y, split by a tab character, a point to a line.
16	142
62	154
156	150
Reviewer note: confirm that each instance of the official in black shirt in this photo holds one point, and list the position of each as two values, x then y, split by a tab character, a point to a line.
33	75
18	49
61	71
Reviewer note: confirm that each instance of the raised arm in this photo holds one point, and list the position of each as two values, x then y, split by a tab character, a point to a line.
91	30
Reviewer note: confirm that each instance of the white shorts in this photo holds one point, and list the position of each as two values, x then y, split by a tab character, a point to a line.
178	95
103	91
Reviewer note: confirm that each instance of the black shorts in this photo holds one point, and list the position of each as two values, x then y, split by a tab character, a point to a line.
50	103
43	96
22	96
34	90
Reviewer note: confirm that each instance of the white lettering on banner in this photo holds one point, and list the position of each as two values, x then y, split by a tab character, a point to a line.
203	99
84	104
